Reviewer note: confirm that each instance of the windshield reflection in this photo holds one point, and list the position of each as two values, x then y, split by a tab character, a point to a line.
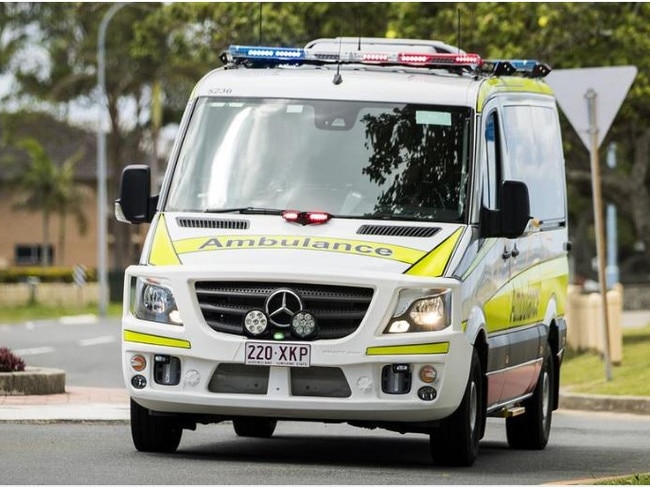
350	159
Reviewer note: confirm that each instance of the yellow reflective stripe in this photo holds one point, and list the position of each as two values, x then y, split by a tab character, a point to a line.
134	336
162	248
420	349
523	299
434	263
324	244
509	84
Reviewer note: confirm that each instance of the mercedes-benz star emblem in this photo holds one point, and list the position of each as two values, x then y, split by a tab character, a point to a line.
281	305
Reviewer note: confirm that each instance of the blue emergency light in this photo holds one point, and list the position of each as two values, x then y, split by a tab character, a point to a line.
282	54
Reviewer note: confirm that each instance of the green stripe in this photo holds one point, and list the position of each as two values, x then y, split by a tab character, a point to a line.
133	336
421	349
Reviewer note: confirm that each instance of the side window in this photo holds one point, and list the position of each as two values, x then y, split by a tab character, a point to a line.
535	157
492	171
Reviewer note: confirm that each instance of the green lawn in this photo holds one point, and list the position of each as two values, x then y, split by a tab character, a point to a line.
639	479
585	373
20	314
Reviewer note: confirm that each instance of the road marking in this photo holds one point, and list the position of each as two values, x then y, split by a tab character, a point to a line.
79	320
33	351
88	342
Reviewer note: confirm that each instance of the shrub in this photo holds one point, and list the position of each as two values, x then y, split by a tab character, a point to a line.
10	362
14	275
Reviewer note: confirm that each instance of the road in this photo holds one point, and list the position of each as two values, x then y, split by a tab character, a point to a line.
85	347
582	445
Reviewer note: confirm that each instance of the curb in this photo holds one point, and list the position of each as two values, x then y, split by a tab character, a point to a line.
32	381
610	404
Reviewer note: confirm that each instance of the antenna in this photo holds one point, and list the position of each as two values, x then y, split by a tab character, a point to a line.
458	32
338	79
260	25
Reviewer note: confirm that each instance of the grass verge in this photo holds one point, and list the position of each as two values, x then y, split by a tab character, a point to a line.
638	479
585	373
20	314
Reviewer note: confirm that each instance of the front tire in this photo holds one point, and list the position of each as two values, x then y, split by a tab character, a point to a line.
254	427
531	430
159	434
456	442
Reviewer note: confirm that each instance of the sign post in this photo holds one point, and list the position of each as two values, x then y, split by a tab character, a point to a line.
591	97
604	89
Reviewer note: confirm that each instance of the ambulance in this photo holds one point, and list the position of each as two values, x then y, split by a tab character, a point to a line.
363	231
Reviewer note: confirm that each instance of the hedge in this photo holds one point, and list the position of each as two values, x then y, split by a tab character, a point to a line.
12	275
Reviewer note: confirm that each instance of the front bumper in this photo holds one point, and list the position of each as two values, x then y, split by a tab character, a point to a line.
346	380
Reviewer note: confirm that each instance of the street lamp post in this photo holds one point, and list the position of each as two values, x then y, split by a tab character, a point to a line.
101	161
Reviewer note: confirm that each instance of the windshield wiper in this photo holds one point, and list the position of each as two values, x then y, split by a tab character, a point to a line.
246	210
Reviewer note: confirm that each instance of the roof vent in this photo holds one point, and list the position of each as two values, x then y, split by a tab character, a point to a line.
213	223
397	231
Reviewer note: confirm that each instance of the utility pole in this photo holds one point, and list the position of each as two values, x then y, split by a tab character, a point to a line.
102	275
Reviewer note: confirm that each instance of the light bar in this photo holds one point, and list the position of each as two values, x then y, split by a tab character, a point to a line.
299	55
306	217
267	53
527	67
419	59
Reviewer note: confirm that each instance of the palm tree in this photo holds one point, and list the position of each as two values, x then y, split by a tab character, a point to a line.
70	197
49	189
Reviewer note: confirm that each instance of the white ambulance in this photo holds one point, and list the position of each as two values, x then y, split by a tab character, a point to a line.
363	230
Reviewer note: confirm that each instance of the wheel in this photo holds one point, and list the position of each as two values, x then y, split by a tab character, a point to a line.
455	443
159	434
530	431
254	427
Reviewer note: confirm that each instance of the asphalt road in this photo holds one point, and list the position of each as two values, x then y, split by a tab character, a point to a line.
582	446
85	347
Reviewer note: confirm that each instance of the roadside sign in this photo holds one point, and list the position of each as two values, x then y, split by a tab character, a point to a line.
610	84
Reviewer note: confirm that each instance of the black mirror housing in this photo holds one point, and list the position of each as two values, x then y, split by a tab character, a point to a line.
135	204
511	220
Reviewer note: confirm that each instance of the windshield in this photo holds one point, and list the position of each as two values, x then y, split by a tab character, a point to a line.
350	159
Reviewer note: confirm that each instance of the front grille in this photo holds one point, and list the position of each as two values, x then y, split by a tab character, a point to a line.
397	231
190	222
338	309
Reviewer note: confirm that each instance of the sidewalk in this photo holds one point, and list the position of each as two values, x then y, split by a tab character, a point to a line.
83	404
77	404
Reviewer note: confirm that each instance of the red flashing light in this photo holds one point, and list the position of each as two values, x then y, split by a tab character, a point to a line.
419	59
306	217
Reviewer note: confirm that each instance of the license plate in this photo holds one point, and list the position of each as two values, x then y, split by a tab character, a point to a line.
278	354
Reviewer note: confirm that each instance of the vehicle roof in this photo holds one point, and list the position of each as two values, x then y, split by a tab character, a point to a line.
363	83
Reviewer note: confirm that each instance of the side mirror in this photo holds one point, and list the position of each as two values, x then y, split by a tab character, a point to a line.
511	220
135	204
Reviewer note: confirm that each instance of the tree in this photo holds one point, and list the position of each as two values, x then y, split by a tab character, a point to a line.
566	35
47	188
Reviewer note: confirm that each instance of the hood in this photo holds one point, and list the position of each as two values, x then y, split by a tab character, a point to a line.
268	240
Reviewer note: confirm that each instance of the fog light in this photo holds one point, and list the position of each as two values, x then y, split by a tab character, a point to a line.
428	374
255	322
396	379
303	324
138	381
138	363
427	393
166	370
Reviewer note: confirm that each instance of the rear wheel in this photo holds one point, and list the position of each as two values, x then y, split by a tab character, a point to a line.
159	434
531	430
456	441
254	427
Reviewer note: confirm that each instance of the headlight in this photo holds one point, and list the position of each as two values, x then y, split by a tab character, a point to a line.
421	310
154	301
